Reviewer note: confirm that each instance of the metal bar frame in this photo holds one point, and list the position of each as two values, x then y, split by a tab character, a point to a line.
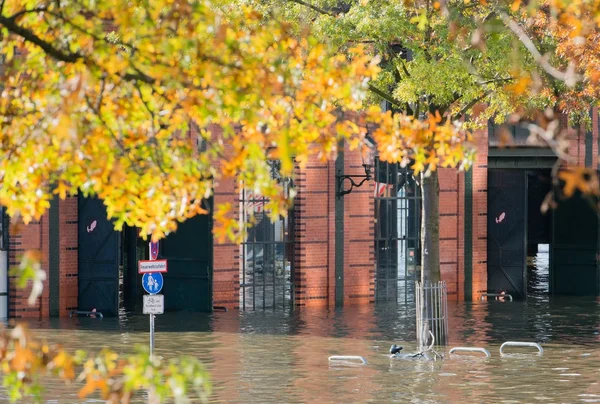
251	283
387	232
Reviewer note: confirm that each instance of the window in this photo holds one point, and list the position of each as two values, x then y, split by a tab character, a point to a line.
267	253
397	232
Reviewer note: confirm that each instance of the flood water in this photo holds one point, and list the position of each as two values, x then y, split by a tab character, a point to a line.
266	357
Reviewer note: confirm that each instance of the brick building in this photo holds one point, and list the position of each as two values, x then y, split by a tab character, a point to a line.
356	248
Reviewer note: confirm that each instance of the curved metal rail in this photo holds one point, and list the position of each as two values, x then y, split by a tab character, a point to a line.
496	295
526	344
471	349
347	358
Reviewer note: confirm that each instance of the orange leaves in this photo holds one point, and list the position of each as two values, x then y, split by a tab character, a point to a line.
580	179
114	119
428	144
24	361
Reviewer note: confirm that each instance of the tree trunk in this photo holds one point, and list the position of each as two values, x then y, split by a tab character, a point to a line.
430	228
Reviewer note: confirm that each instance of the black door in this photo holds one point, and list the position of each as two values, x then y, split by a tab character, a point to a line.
188	283
507	232
98	258
574	269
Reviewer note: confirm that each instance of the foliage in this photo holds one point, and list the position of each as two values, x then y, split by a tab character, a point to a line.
24	361
112	114
151	105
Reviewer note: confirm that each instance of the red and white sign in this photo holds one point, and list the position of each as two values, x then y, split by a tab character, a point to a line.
145	266
153	251
381	188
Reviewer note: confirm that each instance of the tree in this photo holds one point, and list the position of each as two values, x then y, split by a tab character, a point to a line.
440	63
106	100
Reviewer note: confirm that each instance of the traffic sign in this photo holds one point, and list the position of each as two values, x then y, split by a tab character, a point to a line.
152	282
154	304
145	266
153	251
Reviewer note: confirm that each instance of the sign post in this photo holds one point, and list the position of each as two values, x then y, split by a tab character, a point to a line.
152	282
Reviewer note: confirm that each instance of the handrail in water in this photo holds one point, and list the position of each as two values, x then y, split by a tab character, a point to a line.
471	349
518	343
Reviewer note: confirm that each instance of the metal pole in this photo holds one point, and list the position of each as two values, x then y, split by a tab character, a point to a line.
151	335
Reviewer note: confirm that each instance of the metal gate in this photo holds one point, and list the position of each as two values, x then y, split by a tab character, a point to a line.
267	253
188	283
98	258
397	232
573	252
507	232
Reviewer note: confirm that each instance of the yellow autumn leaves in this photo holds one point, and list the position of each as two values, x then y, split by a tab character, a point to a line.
24	359
151	106
425	144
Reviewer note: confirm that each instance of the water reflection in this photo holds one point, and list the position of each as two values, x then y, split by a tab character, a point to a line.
259	357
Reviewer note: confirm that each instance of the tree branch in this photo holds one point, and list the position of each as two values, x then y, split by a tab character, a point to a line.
384	95
499	80
471	105
29	36
569	77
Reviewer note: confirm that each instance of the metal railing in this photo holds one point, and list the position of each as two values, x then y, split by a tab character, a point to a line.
471	349
432	312
525	344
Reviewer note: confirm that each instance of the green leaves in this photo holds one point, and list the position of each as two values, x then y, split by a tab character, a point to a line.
104	105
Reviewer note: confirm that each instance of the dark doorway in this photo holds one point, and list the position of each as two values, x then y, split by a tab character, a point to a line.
188	283
574	266
98	258
397	232
539	235
535	254
507	231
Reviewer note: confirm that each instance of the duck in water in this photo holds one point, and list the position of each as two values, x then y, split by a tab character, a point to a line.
395	349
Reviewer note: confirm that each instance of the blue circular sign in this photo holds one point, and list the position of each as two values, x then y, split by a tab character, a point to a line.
152	282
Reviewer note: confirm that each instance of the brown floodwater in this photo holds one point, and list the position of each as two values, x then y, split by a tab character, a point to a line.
282	357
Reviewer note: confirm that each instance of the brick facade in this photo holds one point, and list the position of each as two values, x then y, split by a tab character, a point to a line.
463	239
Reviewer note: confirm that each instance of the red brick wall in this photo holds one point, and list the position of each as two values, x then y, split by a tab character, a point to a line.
33	236
451	221
479	238
226	255
314	211
68	243
314	234
359	236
